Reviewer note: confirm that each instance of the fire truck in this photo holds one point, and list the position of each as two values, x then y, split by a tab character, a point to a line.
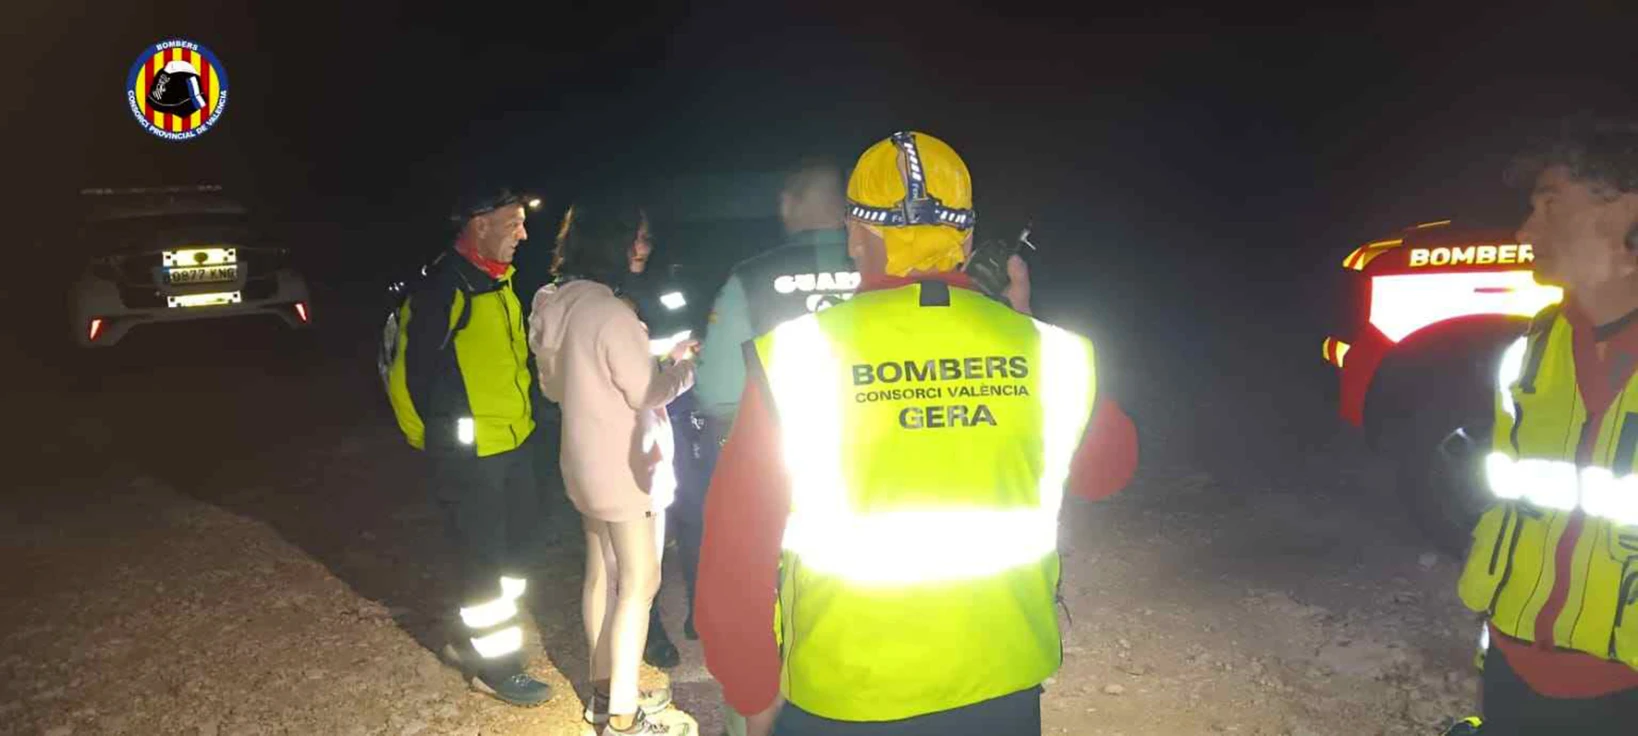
1428	313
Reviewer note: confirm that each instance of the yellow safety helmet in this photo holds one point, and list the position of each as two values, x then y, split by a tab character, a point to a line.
893	187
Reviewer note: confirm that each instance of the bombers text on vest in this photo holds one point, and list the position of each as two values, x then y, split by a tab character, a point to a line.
928	434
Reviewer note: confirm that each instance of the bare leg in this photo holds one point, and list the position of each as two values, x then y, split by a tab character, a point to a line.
596	613
637	555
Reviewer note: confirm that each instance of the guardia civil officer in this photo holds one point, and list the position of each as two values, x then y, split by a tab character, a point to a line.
809	271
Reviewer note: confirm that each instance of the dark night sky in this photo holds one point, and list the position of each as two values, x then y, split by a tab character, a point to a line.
1158	133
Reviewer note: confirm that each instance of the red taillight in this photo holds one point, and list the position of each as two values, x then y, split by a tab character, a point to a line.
301	310
94	330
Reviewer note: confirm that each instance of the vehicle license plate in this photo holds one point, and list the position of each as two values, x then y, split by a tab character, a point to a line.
203	300
202	274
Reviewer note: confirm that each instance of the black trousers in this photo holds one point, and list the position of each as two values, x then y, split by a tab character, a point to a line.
696	460
1018	714
1511	708
492	512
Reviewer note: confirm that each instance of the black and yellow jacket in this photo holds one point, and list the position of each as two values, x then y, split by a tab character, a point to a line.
459	376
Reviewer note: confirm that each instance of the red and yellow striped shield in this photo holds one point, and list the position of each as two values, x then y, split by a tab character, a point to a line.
203	86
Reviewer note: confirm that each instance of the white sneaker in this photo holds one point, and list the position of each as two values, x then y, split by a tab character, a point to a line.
649	702
668	724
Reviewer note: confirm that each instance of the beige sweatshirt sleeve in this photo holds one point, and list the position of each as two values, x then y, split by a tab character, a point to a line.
637	374
545	344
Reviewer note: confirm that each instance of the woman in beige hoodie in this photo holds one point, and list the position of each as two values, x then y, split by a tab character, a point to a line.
594	360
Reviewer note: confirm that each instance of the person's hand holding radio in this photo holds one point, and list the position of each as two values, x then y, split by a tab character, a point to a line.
1017	291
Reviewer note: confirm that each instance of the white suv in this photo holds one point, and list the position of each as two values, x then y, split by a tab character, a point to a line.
174	254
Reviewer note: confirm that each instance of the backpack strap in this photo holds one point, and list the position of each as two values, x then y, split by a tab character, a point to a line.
463	316
1540	326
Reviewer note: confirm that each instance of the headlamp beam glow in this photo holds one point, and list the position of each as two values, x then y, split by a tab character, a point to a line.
673	300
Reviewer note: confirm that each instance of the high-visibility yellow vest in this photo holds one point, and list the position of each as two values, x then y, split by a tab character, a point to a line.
492	363
1532	470
928	434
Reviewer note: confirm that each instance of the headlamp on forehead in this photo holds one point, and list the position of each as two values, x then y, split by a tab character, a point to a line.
487	203
918	206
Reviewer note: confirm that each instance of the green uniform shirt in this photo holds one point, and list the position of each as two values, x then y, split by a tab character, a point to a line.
810	272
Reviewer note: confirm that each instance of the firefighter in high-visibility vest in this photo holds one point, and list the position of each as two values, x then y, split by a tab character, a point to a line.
898	463
458	378
1554	562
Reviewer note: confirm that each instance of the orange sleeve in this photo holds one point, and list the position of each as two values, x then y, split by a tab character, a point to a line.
745	513
1108	454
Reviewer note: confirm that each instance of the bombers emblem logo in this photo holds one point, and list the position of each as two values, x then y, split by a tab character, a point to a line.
177	89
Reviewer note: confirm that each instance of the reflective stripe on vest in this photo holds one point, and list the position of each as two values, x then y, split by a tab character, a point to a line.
1557	466
927	438
1555	484
914	546
1512	366
1558	485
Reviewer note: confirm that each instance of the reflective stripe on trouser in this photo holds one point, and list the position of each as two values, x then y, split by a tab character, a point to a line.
493	623
491	512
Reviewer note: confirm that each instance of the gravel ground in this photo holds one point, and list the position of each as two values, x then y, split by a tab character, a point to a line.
240	546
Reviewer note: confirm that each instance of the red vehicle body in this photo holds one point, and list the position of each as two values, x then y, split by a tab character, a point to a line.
1426	278
1429	312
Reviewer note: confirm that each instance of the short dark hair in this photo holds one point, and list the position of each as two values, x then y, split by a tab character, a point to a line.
809	171
594	241
1599	151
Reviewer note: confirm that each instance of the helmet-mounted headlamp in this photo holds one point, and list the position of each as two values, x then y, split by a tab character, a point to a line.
918	207
484	202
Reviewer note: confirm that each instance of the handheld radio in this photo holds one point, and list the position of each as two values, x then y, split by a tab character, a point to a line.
988	265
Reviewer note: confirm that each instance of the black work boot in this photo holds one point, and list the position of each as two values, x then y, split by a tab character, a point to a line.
659	651
503	679
517	688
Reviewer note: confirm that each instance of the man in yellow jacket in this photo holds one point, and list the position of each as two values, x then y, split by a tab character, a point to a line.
1554	563
458	379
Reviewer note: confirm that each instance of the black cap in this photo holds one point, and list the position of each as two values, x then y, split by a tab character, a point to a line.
483	201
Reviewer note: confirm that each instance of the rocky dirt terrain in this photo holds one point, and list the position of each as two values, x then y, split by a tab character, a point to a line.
226	536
